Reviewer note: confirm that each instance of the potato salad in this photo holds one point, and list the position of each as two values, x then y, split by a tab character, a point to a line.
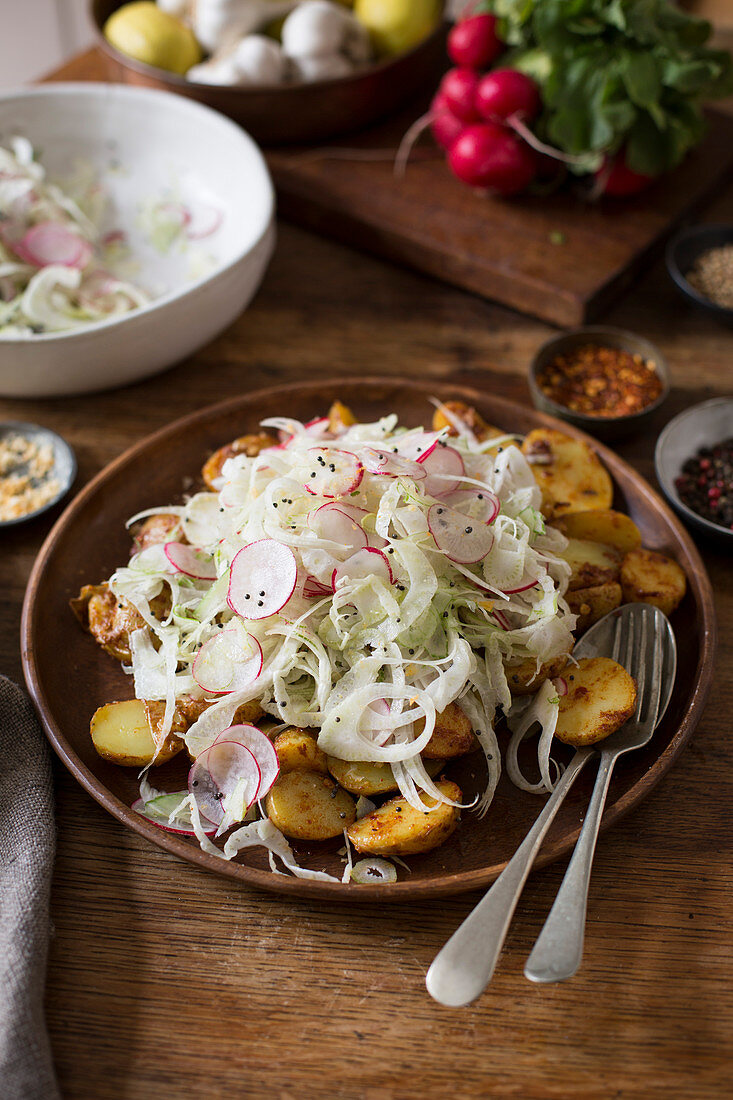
343	610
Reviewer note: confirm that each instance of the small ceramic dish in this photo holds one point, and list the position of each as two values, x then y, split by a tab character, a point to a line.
63	470
296	113
682	252
703	425
144	151
602	427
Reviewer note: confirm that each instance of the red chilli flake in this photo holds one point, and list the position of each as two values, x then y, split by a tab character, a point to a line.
600	381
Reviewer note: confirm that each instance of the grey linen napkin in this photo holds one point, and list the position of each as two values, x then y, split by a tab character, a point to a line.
27	844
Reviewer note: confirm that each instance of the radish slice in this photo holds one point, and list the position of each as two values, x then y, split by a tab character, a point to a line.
187	559
217	773
314	590
368	562
561	684
318	427
501	620
334	523
418	445
445	469
522	588
159	816
478	504
332	472
262	579
204	222
227	662
261	747
461	539
176	211
390	464
51	243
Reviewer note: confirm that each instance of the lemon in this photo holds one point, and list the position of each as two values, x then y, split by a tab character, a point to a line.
142	31
398	25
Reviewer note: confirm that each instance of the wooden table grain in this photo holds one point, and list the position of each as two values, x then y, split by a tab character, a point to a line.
167	982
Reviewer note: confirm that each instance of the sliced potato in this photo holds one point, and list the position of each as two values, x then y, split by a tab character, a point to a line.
649	577
249	445
452	736
340	417
164	527
468	415
309	806
367	778
110	621
570	474
297	750
591	604
524	678
591	563
397	829
121	734
248	714
601	696
602	525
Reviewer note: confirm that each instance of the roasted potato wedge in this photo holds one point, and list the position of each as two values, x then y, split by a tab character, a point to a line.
340	417
156	529
591	563
452	736
121	733
524	678
248	714
110	621
601	696
568	471
309	806
591	604
297	750
602	525
649	577
249	445
397	829
469	416
368	778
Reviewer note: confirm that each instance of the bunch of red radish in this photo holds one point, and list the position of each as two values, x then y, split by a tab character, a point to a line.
482	120
474	113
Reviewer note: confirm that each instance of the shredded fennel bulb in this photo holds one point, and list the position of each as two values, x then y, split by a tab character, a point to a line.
357	585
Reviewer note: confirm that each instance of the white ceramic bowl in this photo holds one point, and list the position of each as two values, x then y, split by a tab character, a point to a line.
145	147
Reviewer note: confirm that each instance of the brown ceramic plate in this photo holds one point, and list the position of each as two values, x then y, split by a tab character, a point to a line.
69	677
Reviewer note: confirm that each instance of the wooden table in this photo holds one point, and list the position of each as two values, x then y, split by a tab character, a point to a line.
167	982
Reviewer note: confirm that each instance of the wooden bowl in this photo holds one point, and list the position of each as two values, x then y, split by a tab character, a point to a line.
69	676
295	113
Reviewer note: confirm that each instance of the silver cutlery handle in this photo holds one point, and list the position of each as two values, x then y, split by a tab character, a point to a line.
462	969
558	952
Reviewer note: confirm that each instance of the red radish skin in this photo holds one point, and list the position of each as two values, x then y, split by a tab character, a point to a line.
50	243
617	180
261	747
334	523
332	473
445	126
262	579
458	89
370	562
203	223
489	156
388	464
190	561
418	445
474	42
506	92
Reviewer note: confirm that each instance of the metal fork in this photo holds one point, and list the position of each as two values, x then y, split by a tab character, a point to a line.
463	968
648	647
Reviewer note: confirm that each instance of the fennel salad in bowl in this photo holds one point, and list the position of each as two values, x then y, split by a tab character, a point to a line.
349	596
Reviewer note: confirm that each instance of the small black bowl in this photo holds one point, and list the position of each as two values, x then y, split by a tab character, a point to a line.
682	252
64	463
602	427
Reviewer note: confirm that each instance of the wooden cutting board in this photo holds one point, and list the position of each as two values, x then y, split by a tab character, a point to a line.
553	256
